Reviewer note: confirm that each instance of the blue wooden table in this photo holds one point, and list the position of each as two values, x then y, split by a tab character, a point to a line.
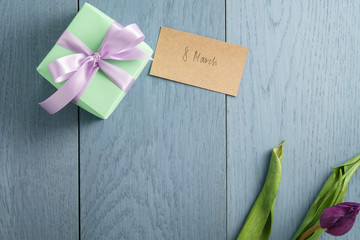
175	161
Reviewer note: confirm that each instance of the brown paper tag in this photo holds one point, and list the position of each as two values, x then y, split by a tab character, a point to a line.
199	61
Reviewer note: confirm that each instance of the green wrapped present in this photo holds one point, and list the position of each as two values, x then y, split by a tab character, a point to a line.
102	95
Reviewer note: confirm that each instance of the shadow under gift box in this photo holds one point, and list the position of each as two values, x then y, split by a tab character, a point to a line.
102	96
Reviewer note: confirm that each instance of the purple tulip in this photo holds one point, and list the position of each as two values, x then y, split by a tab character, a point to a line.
339	219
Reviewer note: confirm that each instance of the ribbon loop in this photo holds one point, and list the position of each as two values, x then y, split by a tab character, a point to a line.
131	54
62	68
118	39
79	68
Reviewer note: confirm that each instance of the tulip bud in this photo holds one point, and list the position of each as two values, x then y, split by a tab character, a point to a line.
339	219
332	193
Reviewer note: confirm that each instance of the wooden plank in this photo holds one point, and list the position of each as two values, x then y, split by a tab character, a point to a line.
38	152
301	82
156	168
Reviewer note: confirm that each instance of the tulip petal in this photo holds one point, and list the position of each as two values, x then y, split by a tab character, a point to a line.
339	219
342	226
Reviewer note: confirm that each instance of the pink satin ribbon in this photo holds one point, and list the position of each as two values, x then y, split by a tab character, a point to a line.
78	69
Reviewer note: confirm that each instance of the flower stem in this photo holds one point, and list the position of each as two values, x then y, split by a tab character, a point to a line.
309	232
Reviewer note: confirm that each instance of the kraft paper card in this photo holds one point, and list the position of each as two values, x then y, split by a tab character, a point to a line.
199	61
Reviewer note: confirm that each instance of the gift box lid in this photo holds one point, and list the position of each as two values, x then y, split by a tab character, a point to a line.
102	96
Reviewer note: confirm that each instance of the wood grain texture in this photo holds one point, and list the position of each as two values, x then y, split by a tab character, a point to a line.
38	152
301	82
156	169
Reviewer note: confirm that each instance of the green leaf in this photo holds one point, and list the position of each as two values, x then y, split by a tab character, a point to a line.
332	193
259	221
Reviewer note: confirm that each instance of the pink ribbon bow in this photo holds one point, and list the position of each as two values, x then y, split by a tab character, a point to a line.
119	44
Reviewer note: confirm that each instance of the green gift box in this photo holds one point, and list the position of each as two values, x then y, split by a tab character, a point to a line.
101	96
